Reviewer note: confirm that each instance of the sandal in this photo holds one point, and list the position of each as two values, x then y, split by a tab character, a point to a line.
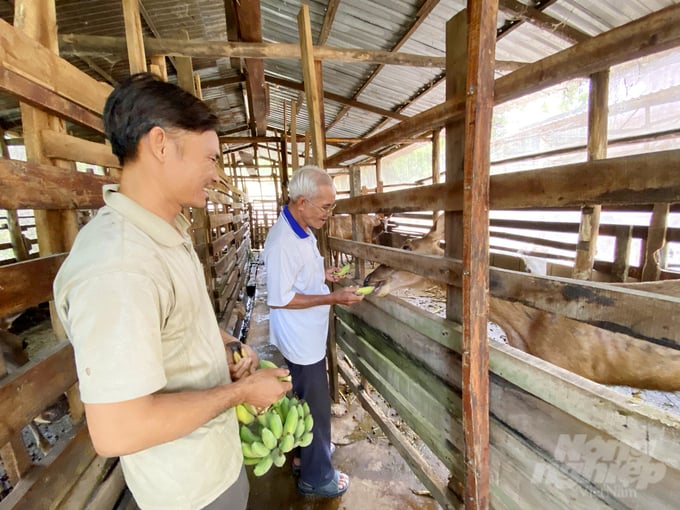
296	462
331	490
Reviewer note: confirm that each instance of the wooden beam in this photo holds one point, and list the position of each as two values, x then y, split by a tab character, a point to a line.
653	33
639	179
311	86
338	98
250	31
134	36
26	284
159	67
97	69
295	160
30	185
62	146
620	310
542	20
37	95
31	59
93	45
34	386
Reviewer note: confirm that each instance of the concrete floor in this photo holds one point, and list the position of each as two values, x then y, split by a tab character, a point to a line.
379	478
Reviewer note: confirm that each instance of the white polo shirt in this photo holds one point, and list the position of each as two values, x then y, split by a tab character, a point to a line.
132	298
295	266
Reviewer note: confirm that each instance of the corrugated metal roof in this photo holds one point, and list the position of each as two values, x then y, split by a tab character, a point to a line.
375	25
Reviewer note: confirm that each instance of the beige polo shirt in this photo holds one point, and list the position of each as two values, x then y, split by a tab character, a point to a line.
132	298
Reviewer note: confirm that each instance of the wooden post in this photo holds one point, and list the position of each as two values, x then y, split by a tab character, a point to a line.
435	162
197	86
284	171
295	161
598	113
481	44
357	224
656	239
378	175
134	37
624	236
311	86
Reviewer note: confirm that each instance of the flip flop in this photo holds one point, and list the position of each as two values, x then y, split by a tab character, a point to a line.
330	490
296	467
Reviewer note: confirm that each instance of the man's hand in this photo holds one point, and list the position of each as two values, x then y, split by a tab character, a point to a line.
346	296
245	363
264	387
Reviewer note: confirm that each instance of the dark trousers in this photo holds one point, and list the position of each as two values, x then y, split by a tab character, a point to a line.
235	497
310	383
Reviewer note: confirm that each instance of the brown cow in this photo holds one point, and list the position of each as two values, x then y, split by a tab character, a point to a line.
370	228
603	356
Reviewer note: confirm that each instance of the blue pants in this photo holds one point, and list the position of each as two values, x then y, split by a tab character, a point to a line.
310	382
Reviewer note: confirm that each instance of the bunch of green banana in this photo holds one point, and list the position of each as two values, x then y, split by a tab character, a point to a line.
266	437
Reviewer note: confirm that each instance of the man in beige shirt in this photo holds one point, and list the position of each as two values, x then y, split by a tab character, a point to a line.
153	372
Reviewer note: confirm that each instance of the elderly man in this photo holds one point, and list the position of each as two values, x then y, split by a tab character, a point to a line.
300	303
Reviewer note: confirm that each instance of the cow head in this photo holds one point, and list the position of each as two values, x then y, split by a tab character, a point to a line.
386	279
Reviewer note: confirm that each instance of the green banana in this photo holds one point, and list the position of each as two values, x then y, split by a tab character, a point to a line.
305	408
247	450
300	429
343	271
305	440
247	435
268	438
309	423
300	410
265	363
291	421
243	415
262	419
278	457
287	443
258	449
263	466
275	424
250	461
251	408
364	291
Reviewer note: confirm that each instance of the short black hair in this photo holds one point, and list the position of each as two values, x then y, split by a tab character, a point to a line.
144	101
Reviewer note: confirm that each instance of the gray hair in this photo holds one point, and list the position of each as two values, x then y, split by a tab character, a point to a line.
307	181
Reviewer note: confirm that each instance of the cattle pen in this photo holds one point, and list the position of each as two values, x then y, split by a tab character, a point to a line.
570	246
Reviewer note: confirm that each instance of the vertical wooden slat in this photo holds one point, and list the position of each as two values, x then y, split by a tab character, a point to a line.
134	37
456	69
378	175
159	66
185	69
311	85
624	236
598	114
295	161
478	113
435	162
656	239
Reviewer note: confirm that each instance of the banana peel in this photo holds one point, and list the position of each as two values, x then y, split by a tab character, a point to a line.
236	350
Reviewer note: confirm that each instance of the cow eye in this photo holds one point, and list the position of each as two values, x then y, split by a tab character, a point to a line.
406	247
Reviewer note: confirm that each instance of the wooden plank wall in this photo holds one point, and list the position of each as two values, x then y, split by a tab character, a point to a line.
545	421
222	241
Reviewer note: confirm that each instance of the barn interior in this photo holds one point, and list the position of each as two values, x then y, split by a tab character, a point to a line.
531	345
